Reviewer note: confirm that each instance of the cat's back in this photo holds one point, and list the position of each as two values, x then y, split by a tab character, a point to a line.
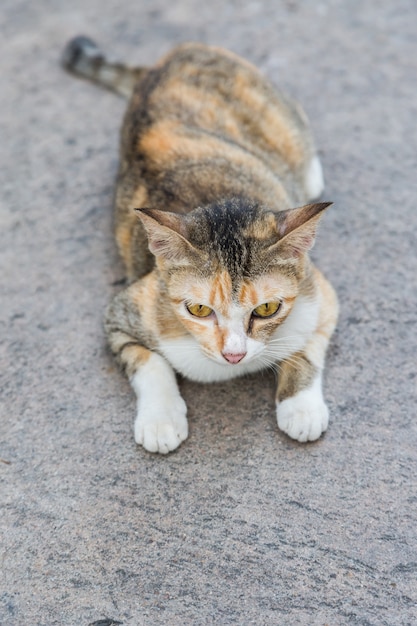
211	89
201	105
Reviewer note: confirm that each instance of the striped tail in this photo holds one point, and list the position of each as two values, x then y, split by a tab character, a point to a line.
83	58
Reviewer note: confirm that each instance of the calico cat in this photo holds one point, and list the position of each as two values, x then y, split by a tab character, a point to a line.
212	160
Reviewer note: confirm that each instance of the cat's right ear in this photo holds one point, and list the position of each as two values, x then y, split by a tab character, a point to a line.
297	229
167	236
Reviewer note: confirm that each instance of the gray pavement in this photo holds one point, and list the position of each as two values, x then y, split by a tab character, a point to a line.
240	525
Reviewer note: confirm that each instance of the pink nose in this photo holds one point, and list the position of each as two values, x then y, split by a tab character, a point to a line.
233	358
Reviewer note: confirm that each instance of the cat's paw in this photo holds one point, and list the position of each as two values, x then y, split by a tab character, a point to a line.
161	426
303	417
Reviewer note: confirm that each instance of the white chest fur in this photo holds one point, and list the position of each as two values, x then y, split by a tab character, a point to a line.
186	357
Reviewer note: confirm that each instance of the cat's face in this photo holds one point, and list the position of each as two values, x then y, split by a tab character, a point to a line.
233	322
232	273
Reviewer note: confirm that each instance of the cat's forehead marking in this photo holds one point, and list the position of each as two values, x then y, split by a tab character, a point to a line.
248	294
220	295
266	288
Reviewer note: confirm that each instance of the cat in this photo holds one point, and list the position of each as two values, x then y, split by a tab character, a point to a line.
215	212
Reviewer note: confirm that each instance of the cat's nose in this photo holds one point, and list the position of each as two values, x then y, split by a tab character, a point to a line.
232	357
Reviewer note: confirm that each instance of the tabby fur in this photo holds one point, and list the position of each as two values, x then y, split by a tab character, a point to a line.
212	161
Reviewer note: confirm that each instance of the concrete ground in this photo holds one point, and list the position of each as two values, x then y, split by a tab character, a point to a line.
241	525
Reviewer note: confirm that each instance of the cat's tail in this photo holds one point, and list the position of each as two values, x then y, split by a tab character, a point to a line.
83	57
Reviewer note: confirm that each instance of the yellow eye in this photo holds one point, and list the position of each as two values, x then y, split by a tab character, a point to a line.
199	310
267	309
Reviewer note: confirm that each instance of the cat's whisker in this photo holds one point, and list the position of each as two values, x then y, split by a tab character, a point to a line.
286	339
282	351
291	359
283	348
295	364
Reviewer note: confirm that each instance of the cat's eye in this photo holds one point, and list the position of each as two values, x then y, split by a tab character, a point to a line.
268	309
199	310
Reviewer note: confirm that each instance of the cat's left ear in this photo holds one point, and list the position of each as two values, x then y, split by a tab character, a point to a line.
166	235
297	229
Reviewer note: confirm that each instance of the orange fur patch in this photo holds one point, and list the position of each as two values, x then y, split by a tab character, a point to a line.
156	313
220	292
273	123
220	337
167	140
203	109
248	295
135	356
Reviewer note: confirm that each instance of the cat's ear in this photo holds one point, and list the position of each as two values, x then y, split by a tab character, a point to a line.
166	235
297	229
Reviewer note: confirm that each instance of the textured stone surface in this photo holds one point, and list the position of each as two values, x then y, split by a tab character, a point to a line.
240	525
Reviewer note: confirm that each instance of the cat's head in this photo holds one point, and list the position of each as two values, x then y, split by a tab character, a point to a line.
233	271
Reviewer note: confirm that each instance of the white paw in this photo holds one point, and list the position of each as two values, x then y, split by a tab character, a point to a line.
161	426
161	421
303	417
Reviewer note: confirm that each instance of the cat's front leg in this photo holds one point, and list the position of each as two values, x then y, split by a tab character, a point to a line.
301	411
161	422
161	418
